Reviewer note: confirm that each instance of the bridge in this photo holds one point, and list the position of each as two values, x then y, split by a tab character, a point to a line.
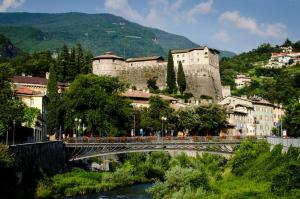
82	148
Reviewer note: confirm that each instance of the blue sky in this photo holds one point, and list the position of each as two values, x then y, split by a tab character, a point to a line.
235	25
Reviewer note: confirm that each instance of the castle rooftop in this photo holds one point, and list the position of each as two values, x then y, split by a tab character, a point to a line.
157	58
192	49
108	55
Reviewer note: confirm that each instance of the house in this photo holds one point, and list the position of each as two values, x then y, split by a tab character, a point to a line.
242	80
32	91
141	99
252	117
35	99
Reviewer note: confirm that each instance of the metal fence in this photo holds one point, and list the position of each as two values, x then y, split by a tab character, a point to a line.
286	142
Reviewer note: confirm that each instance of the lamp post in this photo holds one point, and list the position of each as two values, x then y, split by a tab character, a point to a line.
162	125
14	129
79	126
7	135
76	120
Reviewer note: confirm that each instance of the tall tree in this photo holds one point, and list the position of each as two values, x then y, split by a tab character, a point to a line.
53	100
181	78
171	79
87	63
63	62
79	58
287	43
72	68
97	102
10	107
291	120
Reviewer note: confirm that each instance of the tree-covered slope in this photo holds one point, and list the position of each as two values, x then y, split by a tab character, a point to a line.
97	32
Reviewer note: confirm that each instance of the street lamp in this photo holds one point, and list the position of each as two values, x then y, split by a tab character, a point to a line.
14	129
79	126
162	125
76	120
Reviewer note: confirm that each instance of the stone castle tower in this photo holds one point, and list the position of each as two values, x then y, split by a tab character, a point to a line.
200	65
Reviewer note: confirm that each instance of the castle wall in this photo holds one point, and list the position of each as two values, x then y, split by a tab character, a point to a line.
201	67
138	76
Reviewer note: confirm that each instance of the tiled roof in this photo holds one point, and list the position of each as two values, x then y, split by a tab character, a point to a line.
26	91
144	59
144	95
30	80
191	49
108	55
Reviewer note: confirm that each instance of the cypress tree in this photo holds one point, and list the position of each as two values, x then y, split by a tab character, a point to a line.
53	100
181	78
63	62
79	58
171	79
72	69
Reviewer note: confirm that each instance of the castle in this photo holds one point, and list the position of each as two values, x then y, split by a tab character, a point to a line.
200	65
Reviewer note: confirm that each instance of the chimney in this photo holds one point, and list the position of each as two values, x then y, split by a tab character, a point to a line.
47	75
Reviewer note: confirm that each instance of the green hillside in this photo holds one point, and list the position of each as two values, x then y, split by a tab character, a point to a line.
277	85
97	32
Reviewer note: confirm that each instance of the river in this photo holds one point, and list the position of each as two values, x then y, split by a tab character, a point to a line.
132	192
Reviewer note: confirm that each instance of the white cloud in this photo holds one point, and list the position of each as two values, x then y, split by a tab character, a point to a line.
201	8
160	12
10	4
122	8
276	30
222	36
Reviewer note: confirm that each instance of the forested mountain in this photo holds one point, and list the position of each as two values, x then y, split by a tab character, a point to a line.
7	49
98	32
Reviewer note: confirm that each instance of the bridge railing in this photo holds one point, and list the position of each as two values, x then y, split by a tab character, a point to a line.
286	142
151	139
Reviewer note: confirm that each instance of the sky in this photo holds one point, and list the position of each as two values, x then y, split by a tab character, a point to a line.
234	25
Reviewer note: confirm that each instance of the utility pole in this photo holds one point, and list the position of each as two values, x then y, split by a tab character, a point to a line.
133	124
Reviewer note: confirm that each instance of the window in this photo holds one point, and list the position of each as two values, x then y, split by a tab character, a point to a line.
182	55
205	53
182	61
31	101
177	56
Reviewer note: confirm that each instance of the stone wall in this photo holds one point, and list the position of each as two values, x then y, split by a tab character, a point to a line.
31	159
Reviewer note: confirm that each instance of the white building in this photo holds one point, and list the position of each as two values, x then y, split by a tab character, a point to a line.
242	80
253	116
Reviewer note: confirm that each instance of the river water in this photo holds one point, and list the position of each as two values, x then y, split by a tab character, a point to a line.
132	192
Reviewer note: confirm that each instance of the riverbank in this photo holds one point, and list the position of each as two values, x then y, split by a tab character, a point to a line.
137	168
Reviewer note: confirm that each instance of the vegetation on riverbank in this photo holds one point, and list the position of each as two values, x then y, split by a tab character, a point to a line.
254	171
137	168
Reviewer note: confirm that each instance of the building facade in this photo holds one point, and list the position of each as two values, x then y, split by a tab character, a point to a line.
252	117
201	67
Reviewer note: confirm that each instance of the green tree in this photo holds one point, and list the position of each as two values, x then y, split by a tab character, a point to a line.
151	117
291	120
53	100
72	69
181	78
30	114
97	102
212	118
151	84
63	63
287	43
79	58
171	79
11	108
87	63
187	118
